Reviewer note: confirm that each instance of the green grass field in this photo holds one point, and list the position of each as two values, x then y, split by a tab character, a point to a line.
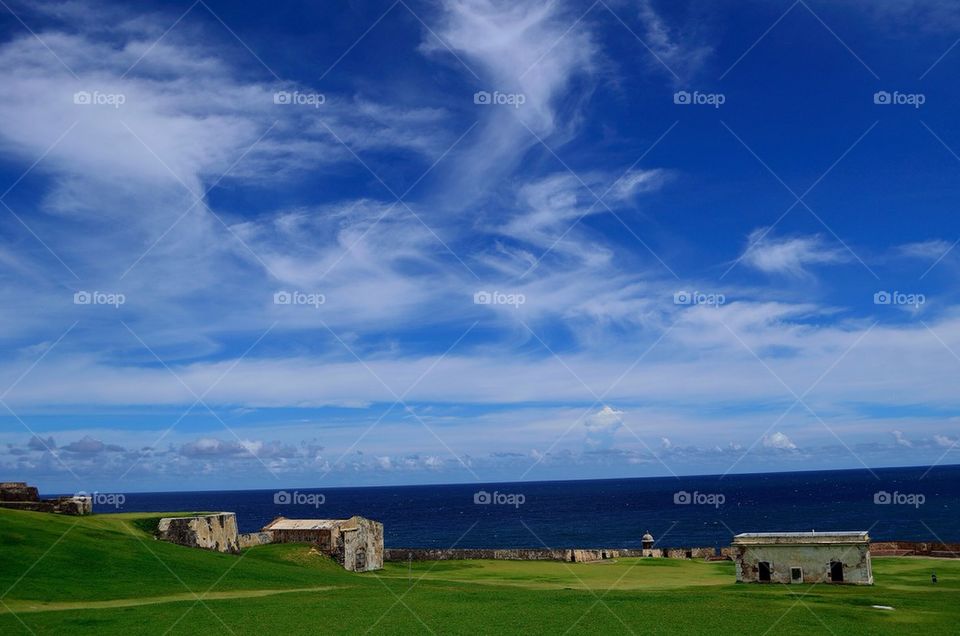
107	575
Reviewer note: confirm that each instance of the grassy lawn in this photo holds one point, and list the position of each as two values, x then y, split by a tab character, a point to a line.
107	575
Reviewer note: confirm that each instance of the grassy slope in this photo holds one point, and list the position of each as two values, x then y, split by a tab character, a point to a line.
51	567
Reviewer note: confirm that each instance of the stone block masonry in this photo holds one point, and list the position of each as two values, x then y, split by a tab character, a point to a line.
210	532
17	495
587	555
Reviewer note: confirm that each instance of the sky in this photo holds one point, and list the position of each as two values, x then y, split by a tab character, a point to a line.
405	242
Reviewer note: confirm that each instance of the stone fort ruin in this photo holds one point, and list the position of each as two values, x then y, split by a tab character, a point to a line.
355	543
19	496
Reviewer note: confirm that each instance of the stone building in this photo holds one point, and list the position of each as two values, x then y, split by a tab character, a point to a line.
355	543
803	557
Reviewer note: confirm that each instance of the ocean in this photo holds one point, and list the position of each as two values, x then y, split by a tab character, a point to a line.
892	503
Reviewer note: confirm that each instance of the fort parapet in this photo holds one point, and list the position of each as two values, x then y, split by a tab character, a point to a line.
572	555
17	495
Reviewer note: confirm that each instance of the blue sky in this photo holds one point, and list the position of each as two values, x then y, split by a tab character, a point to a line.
421	242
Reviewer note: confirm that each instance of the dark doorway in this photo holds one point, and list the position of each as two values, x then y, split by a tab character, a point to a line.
796	575
763	574
361	560
836	571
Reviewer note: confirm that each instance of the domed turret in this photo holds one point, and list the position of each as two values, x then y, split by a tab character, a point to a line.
647	540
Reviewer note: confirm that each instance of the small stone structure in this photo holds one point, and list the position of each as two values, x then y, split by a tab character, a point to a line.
216	531
803	557
355	543
18	495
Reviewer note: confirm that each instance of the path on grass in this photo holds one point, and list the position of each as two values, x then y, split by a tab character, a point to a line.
18	607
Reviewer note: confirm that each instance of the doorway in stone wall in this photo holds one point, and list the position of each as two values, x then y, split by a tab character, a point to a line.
836	571
360	560
763	572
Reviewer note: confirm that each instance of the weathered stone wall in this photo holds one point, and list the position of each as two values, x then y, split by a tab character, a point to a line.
18	491
210	532
542	554
915	548
250	539
814	561
60	505
360	545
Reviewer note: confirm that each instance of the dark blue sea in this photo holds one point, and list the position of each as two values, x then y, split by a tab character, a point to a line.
892	503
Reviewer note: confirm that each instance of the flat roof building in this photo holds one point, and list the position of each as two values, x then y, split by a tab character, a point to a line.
355	543
803	557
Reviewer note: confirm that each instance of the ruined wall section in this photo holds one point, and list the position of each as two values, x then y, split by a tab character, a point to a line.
251	539
210	532
360	545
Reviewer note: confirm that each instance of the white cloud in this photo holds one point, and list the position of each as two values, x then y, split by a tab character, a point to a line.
931	250
778	441
943	440
515	47
901	440
675	52
791	256
602	427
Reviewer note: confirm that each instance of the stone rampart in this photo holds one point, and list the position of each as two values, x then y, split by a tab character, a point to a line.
586	555
211	532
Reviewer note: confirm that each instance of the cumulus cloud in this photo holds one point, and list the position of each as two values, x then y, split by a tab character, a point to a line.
778	441
90	446
943	440
602	427
41	444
